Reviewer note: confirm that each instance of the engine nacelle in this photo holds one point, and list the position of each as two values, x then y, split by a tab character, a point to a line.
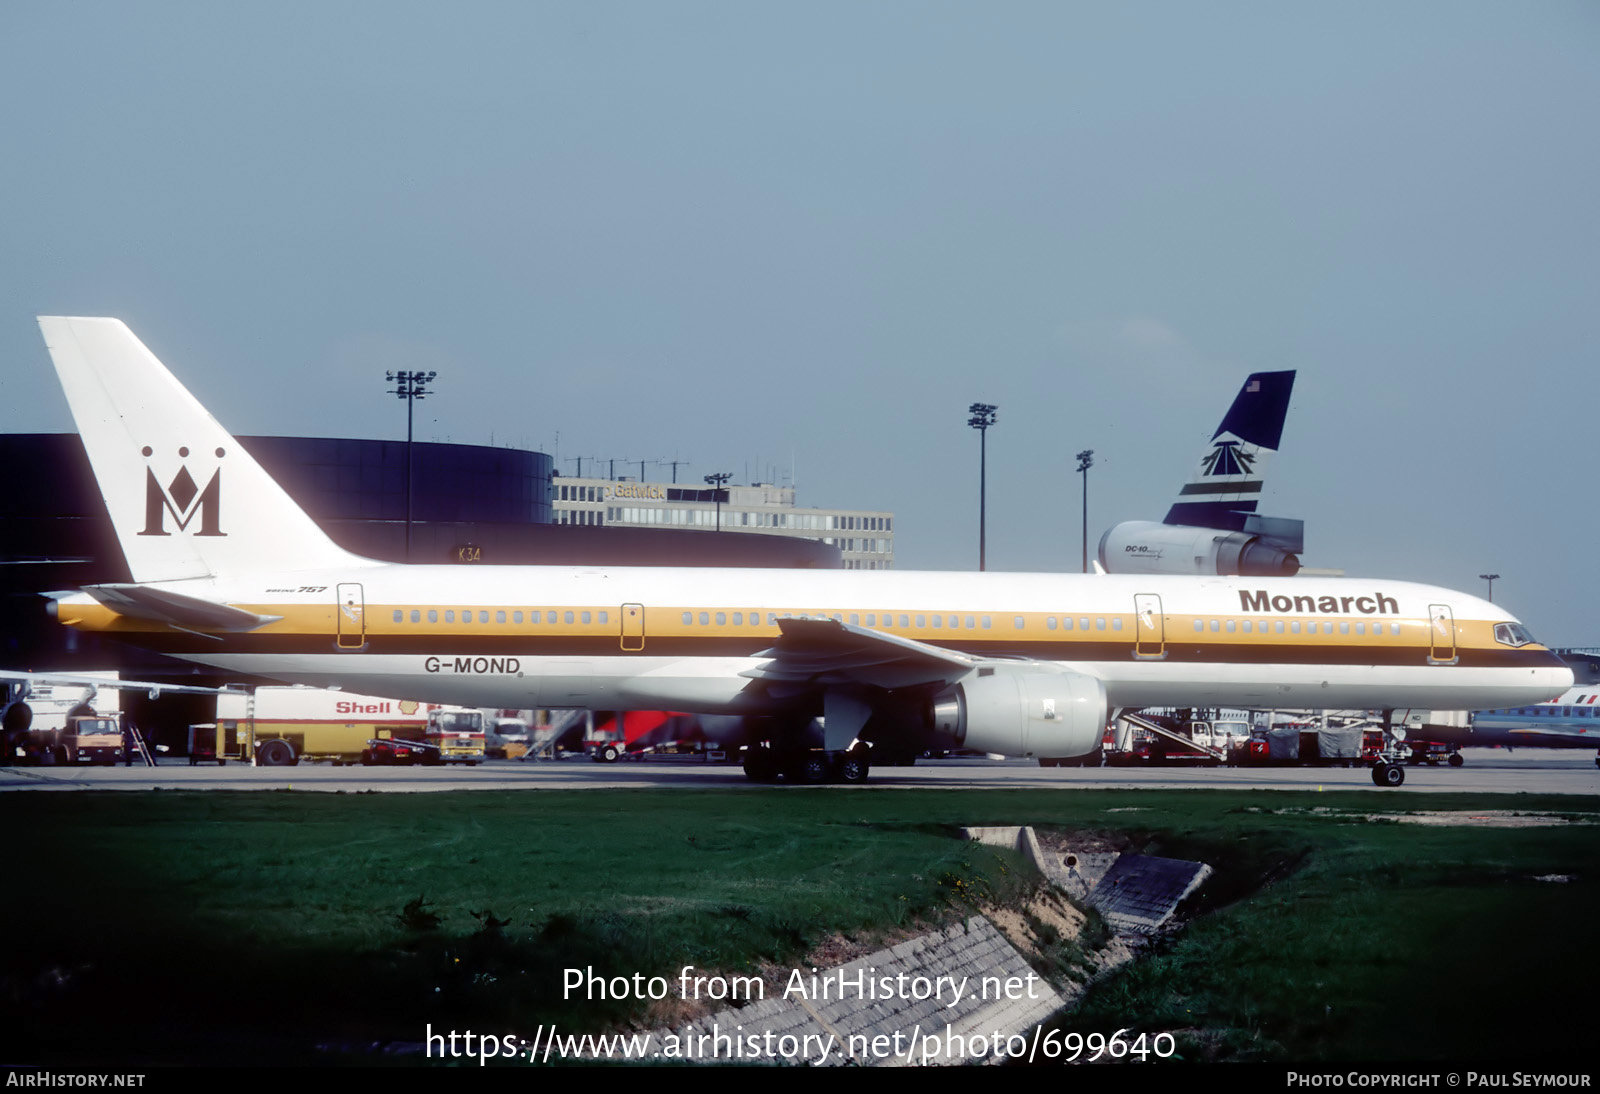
1022	711
1145	547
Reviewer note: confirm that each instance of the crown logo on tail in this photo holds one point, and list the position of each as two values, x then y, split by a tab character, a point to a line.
183	499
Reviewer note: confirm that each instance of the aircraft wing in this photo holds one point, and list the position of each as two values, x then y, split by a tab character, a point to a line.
176	609
827	652
67	679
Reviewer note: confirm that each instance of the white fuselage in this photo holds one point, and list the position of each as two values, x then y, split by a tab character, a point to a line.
542	636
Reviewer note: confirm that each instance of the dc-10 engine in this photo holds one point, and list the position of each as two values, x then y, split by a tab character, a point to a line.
1145	547
1022	710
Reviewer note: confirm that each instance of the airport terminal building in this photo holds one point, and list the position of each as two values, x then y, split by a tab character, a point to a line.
864	537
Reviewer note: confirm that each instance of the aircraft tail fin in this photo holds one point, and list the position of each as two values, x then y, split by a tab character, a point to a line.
185	498
1226	484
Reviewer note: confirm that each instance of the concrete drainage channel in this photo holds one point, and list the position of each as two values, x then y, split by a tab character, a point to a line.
967	994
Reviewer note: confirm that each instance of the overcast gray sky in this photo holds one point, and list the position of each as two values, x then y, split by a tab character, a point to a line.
756	236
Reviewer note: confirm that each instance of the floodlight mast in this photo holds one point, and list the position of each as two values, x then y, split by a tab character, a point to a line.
1491	579
1085	461
983	416
409	386
717	482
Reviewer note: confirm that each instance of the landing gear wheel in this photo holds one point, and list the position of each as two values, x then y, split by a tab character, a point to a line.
1456	760
1388	774
854	766
815	767
609	754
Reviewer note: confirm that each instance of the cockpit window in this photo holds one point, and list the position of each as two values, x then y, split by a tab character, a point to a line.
1512	634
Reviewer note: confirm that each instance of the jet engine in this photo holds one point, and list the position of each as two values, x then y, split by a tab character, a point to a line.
1022	711
1145	547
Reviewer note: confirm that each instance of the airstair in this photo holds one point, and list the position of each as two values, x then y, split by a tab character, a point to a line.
1173	735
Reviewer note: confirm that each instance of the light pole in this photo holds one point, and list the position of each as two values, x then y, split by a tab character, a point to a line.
716	482
1490	578
1085	461
983	417
409	386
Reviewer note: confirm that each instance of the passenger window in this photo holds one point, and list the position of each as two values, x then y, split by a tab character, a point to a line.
855	620
1295	626
1215	626
499	617
483	617
1278	626
566	617
416	617
1083	622
603	617
722	619
516	617
922	620
1361	628
549	617
1017	622
985	622
1066	622
1232	626
1249	627
705	618
938	621
1050	623
1344	628
399	616
1199	625
738	619
1100	623
1116	624
450	616
433	615
586	617
688	618
905	621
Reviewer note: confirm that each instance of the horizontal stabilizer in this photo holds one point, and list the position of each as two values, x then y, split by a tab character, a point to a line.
176	609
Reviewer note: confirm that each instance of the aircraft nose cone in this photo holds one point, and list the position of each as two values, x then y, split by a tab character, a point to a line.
1557	678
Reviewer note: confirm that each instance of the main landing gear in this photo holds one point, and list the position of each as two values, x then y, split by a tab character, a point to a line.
1387	774
814	766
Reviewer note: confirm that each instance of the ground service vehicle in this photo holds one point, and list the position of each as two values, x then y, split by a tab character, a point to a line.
280	726
457	734
85	739
55	723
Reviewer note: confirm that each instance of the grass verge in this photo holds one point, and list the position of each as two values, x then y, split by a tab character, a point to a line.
296	927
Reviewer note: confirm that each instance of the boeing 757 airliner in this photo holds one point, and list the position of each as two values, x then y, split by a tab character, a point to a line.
229	572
